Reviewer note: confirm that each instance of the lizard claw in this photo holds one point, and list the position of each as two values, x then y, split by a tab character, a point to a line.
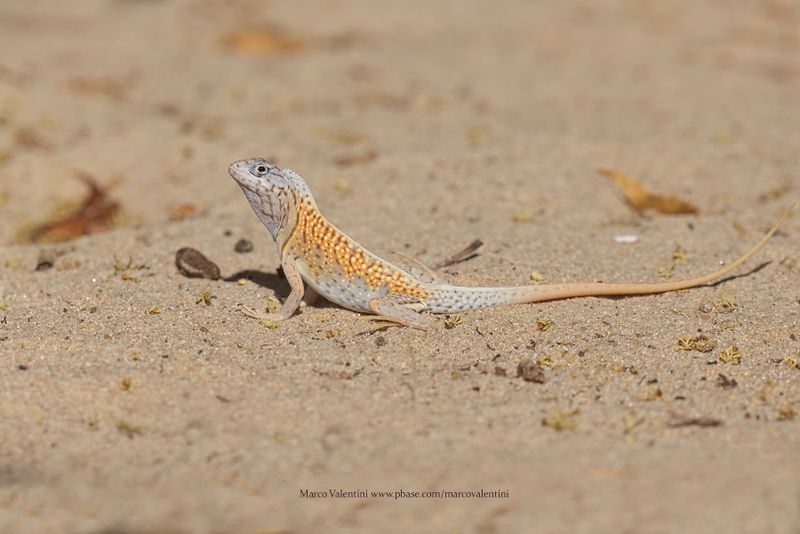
253	314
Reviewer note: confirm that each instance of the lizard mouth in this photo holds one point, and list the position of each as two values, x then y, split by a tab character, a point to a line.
238	171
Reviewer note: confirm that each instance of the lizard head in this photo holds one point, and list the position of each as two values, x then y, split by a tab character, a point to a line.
272	192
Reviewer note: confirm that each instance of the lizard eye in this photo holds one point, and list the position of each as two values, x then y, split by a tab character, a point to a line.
261	170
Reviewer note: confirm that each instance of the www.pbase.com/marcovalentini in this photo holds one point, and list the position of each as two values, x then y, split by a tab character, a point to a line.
403	494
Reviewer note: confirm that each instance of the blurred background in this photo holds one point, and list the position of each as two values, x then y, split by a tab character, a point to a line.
512	102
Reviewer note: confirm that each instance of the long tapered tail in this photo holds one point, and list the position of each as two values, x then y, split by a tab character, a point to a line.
564	291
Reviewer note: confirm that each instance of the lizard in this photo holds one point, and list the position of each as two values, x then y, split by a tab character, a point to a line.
315	252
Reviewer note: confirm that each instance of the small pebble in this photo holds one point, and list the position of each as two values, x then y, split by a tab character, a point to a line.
193	264
243	246
531	371
626	239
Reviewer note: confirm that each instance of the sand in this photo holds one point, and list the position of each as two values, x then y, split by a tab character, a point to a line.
420	127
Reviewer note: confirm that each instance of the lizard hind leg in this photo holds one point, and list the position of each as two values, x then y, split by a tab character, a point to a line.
398	309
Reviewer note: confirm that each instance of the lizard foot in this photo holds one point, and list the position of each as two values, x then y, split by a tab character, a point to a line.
396	310
382	322
253	314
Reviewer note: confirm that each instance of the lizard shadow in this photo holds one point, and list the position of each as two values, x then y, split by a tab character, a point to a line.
716	283
275	281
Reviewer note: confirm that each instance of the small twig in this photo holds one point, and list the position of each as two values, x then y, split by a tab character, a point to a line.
467	253
695	421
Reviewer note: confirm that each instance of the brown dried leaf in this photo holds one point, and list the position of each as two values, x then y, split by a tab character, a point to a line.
264	41
95	214
641	199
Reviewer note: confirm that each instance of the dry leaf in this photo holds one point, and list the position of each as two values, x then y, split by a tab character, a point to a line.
263	41
641	199
95	214
731	356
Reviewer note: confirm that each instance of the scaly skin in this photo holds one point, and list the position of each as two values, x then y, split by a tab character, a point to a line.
314	251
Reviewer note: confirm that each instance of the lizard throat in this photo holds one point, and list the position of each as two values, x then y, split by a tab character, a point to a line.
268	210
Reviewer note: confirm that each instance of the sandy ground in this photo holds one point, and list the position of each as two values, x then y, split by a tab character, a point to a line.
420	126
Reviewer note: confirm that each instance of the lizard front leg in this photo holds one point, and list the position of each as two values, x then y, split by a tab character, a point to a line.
294	299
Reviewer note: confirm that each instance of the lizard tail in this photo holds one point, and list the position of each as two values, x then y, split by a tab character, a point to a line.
563	291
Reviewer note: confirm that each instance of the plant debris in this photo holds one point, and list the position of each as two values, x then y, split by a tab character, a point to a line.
548	361
726	383
793	362
699	343
543	325
631	422
205	297
128	429
666	272
695	421
193	264
124	269
263	41
641	199
651	393
531	371
536	277
561	420
731	356
787	413
96	214
453	320
725	304
153	310
679	255
126	384
467	253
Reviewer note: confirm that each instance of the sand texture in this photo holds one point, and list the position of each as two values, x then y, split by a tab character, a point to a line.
134	399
